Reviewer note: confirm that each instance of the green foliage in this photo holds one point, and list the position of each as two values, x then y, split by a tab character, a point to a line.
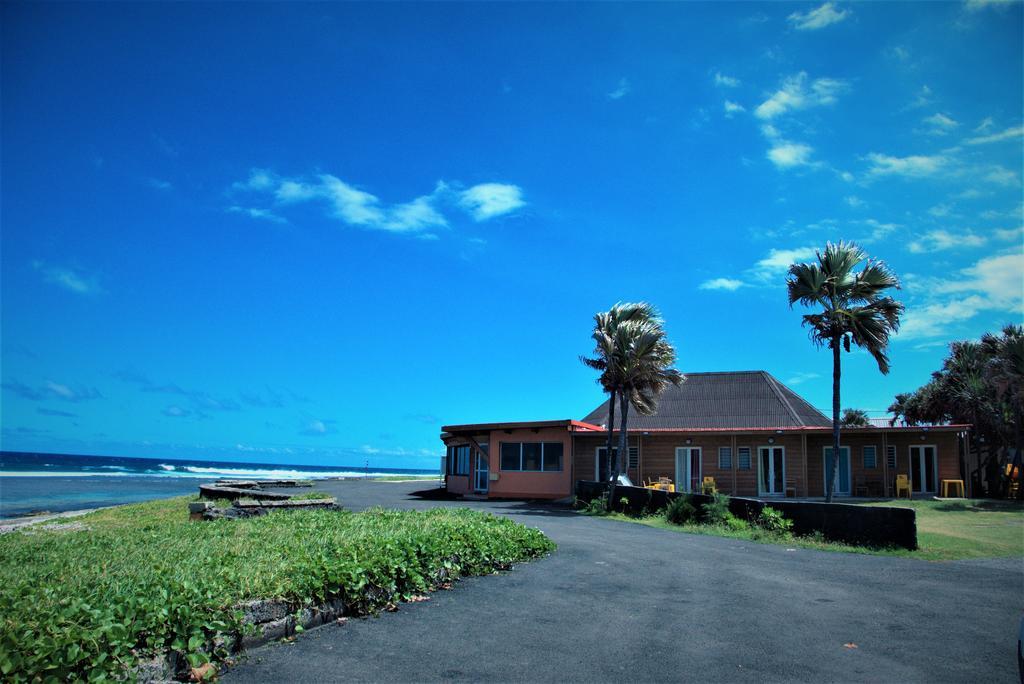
310	496
143	579
771	522
716	512
734	524
596	506
680	510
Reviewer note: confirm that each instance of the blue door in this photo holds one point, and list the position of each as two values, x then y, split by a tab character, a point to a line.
843	463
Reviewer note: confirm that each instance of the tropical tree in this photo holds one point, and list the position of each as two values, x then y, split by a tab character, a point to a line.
645	369
605	359
853	310
981	384
855	418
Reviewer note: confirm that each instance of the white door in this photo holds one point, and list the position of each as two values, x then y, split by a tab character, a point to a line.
843	465
923	477
482	473
771	471
688	469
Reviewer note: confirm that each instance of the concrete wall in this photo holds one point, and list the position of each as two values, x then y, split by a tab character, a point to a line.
518	484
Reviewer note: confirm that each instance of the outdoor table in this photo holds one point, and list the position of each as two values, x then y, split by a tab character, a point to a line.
957	485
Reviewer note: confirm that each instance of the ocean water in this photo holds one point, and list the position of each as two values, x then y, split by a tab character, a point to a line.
32	483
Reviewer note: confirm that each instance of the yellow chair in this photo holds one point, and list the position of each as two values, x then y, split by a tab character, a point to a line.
709	486
902	485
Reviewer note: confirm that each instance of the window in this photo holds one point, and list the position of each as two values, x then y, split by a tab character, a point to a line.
634	457
743	458
870	460
890	456
725	458
458	460
532	456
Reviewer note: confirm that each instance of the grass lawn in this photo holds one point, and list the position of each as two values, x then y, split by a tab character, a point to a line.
946	530
968	528
88	599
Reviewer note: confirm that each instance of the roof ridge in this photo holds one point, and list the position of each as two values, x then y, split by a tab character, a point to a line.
774	384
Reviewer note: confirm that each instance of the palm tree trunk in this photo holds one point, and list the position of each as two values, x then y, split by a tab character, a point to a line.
832	470
610	452
623	433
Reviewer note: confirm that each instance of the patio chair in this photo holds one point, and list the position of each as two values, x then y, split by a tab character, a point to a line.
709	486
860	486
902	485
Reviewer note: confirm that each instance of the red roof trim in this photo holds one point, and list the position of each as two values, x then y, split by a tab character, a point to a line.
522	425
803	428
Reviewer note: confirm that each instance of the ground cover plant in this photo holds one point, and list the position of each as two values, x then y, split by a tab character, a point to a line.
141	580
946	530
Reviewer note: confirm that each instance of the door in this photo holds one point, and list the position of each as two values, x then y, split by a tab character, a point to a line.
771	476
923	478
482	482
688	469
843	464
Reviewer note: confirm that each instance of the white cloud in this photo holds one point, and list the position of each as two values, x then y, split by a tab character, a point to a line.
914	166
621	90
357	207
730	284
940	210
724	81
256	213
68	278
802	377
978	5
940	124
795	93
986	124
1008	134
158	184
818	18
1000	175
779	260
786	155
991	284
732	108
1008	234
922	99
488	200
942	239
853	201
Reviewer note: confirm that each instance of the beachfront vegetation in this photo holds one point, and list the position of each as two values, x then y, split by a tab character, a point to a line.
946	530
855	418
852	310
635	358
90	600
981	384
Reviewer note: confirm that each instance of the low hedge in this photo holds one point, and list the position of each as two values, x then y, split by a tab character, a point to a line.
143	580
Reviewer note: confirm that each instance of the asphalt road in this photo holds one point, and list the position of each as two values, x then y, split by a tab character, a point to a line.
626	602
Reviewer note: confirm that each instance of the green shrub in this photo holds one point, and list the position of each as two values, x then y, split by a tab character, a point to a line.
716	512
309	496
680	510
771	522
143	579
596	506
736	524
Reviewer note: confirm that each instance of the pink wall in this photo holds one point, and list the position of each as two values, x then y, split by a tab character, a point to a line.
534	485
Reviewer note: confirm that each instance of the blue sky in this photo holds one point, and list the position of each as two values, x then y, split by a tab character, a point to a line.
316	233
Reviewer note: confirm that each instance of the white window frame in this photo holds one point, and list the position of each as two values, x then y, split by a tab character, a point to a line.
683	483
935	467
771	446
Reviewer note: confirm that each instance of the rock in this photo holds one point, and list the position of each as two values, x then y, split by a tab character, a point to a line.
258	612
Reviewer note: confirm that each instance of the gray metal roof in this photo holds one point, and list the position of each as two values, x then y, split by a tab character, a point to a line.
738	399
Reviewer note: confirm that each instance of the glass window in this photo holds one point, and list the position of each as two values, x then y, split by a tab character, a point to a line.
510	455
552	456
870	460
463	460
531	455
743	458
634	457
890	456
725	458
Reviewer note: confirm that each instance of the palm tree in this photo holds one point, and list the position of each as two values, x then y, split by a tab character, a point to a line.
853	310
645	358
855	418
606	358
